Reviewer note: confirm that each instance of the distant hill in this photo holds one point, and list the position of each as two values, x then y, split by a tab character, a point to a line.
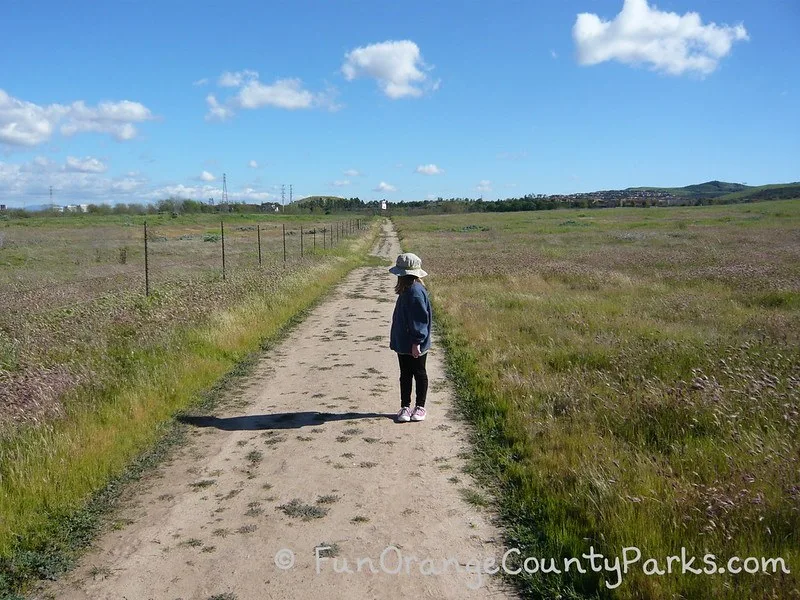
776	191
709	189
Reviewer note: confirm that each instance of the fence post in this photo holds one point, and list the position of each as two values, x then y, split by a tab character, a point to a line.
301	241
222	229
315	241
258	229
284	244
146	264
324	238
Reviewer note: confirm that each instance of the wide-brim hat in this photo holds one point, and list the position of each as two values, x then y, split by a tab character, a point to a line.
408	264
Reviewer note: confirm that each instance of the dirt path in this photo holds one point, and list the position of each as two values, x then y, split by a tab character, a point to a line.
306	455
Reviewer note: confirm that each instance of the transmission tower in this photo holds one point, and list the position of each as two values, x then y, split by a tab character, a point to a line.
52	206
283	194
290	193
224	189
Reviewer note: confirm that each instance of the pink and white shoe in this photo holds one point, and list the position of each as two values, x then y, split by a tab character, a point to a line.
418	414
404	416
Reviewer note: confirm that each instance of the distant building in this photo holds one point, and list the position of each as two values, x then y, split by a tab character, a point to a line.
2	207
270	207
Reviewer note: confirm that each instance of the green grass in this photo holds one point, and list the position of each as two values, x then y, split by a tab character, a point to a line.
52	473
632	383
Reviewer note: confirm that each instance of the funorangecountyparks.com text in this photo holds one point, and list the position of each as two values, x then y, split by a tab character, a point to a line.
394	561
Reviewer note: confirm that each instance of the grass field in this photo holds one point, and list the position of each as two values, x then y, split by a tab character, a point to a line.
70	259
87	385
70	286
634	378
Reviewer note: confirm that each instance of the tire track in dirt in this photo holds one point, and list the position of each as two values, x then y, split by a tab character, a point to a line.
305	454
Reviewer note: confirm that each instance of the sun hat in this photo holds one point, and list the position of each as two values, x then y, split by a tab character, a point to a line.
408	264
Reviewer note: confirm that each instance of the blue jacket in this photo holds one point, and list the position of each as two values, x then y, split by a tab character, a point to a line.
411	322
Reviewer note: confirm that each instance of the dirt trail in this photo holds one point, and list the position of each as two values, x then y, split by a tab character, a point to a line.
312	424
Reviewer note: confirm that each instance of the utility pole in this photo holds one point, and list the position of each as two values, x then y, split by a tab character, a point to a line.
52	206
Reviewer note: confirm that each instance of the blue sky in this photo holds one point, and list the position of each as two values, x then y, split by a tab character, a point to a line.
136	101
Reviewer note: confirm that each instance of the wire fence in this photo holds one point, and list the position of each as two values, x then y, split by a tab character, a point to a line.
49	268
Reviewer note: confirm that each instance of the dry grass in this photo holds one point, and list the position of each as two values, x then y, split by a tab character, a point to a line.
71	314
635	378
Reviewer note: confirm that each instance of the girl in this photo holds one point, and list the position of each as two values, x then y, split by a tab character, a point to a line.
411	334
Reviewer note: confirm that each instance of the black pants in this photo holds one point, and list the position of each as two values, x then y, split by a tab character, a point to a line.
413	369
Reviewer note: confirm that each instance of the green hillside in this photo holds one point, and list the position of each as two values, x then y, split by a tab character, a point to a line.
777	191
709	189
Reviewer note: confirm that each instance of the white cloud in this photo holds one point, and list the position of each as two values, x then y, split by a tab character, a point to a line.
385	187
78	180
253	164
284	93
24	123
236	79
200	82
352	173
85	165
665	41
29	182
429	170
217	112
206	176
484	186
115	118
204	192
396	65
327	99
341	182
553	54
252	94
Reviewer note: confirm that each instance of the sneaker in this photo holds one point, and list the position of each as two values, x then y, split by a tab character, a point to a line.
418	414
404	416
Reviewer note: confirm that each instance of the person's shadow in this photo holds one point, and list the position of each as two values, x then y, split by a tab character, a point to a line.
292	420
